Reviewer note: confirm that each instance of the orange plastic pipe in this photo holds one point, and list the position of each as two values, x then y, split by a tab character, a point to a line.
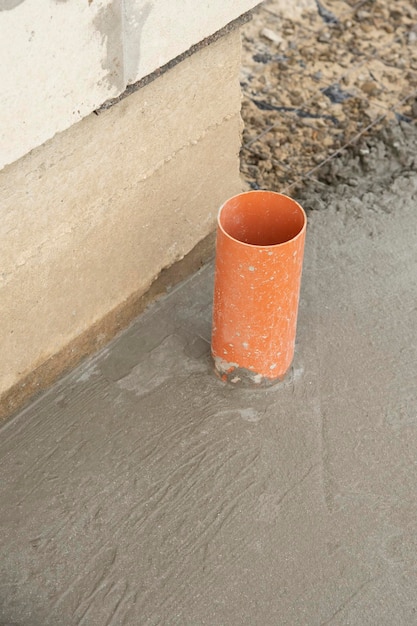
259	257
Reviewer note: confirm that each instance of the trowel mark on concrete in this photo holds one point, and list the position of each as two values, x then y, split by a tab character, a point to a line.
269	506
248	414
89	372
166	361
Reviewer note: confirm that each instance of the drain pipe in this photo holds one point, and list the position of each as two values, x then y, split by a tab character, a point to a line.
259	257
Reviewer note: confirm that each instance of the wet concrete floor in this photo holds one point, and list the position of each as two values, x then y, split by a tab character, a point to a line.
142	490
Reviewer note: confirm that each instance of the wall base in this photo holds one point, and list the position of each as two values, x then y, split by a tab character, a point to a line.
90	218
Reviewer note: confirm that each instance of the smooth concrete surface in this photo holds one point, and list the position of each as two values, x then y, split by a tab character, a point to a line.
63	59
92	216
143	490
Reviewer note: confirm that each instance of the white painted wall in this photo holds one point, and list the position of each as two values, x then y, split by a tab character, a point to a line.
61	59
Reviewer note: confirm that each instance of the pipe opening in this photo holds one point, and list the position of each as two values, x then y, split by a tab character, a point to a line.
262	218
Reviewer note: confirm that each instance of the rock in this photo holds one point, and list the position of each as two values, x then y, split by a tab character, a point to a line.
412	37
395	14
370	88
267	165
260	57
412	78
326	15
324	37
336	94
273	36
362	15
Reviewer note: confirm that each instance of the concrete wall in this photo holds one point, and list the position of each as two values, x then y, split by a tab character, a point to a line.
89	218
93	207
61	59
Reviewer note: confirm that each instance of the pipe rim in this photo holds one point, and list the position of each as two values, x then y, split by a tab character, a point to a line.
259	246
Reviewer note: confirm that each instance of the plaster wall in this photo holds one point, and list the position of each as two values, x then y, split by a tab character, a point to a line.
63	59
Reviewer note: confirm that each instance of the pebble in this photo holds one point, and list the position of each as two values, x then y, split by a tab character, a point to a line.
324	37
395	14
271	35
267	165
412	77
370	88
362	15
412	38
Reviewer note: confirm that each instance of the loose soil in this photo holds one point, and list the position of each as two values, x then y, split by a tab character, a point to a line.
315	78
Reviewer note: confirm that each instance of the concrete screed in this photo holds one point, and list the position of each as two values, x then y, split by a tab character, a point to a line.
142	490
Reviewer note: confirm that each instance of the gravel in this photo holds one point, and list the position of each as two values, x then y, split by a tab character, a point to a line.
312	84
